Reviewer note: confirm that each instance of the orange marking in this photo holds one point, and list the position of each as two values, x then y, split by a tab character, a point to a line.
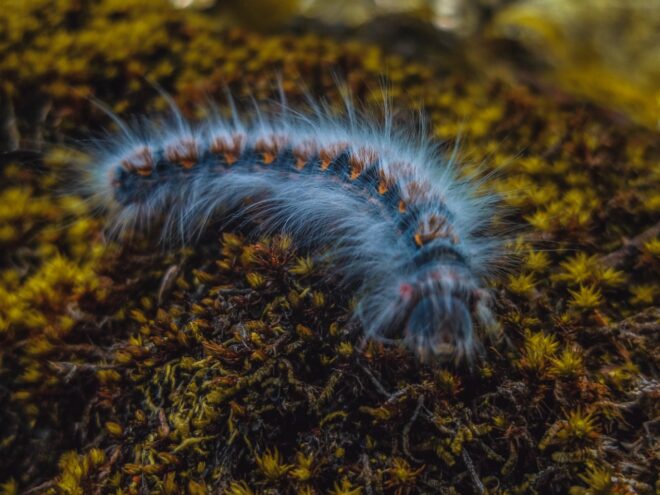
184	153
382	187
433	227
385	183
328	154
140	162
303	153
229	158
267	158
326	157
270	147
230	147
402	206
360	160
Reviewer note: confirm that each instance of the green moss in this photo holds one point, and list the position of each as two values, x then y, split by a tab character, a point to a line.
234	367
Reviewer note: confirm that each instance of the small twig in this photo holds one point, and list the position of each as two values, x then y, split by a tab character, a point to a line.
379	386
367	474
104	472
406	429
167	281
232	291
398	394
40	488
473	472
70	370
9	124
374	380
616	258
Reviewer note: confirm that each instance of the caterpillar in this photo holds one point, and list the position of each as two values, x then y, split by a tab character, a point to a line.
400	227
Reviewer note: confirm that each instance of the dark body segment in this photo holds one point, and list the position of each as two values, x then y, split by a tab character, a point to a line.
422	219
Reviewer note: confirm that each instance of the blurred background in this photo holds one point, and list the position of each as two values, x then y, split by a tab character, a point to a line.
605	50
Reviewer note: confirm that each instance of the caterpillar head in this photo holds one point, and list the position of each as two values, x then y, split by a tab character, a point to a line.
437	316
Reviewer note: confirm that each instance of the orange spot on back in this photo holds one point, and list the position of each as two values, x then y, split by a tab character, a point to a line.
433	227
267	158
328	154
183	152
229	158
385	183
303	153
230	147
269	147
141	162
360	159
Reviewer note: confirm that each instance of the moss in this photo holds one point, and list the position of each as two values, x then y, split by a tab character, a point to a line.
233	366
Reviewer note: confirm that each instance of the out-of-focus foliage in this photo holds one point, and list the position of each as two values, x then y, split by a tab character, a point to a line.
604	50
232	366
607	51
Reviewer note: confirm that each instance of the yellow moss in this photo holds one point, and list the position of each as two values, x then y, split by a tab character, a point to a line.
239	488
522	284
586	297
302	471
115	429
318	299
537	261
345	349
73	470
345	487
539	349
583	268
599	480
568	364
402	474
578	426
9	487
304	266
197	488
255	280
272	464
653	247
644	294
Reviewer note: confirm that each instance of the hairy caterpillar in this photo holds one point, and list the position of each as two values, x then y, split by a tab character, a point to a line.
400	226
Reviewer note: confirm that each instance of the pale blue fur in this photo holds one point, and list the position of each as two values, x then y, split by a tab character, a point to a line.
366	251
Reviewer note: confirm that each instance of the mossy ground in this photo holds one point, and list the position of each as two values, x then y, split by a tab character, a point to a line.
232	367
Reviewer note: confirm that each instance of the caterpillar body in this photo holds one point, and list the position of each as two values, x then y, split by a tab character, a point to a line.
399	225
